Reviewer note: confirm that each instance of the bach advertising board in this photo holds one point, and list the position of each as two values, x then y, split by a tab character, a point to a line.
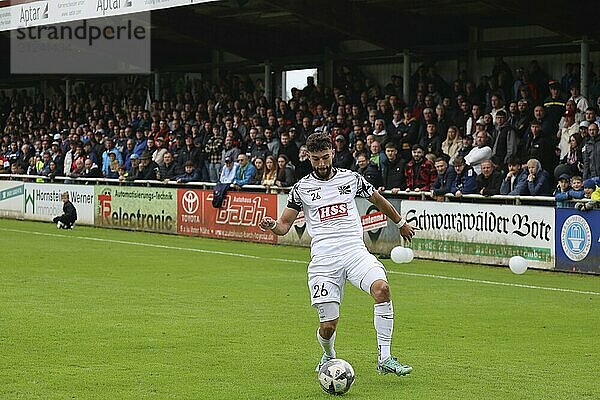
136	208
237	219
42	201
482	233
11	199
578	240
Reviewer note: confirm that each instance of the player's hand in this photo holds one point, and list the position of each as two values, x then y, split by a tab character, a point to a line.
408	231
266	223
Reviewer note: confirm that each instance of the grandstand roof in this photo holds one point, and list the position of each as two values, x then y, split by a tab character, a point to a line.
298	31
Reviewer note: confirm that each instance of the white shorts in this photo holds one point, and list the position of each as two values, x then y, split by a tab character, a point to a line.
327	275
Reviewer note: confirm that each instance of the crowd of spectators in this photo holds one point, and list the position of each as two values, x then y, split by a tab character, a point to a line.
516	132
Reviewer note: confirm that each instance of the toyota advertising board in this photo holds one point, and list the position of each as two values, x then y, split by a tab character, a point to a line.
237	219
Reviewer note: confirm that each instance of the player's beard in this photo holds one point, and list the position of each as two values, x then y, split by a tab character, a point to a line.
323	172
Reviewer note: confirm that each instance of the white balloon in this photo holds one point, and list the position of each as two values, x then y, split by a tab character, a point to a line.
517	264
410	255
399	255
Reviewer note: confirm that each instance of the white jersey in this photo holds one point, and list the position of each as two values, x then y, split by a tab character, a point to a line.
330	211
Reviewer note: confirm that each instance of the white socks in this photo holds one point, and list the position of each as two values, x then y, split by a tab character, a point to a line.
384	325
327	344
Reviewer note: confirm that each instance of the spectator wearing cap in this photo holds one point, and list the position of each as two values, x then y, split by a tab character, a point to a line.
566	191
109	146
506	144
465	180
572	163
229	170
259	148
591	191
133	164
190	173
147	168
57	156
419	172
541	147
465	147
554	104
342	157
561	193
591	153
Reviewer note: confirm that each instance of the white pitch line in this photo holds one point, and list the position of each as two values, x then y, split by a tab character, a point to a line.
224	253
454	278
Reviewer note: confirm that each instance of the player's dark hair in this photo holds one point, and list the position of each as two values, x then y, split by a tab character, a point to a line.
318	142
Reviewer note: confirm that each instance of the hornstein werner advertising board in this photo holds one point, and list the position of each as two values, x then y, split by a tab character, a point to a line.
237	219
43	202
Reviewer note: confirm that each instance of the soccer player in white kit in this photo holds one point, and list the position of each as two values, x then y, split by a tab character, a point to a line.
338	251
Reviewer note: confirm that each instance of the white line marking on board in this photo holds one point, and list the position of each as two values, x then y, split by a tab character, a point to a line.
224	253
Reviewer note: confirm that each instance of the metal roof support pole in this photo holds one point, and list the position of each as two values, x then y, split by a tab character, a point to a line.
156	85
585	68
215	71
406	77
268	81
326	75
473	60
67	92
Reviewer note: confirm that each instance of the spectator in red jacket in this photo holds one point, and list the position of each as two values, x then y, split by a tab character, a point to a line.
420	173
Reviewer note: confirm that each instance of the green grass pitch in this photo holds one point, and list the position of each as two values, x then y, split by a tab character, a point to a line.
105	314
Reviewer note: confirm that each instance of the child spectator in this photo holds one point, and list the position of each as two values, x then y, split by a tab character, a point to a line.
591	191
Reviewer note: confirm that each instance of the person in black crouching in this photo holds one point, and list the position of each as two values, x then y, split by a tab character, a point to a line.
69	215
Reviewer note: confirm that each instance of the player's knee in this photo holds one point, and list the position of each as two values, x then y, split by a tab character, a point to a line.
380	290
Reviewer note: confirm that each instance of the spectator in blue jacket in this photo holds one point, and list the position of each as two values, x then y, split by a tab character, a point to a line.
245	172
538	181
515	181
465	181
443	182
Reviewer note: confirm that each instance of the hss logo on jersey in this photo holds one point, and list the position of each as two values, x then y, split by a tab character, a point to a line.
344	189
333	211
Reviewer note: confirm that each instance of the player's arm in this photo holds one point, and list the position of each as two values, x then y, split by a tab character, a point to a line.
407	231
283	224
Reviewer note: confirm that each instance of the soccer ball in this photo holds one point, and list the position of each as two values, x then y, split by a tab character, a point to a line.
336	376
